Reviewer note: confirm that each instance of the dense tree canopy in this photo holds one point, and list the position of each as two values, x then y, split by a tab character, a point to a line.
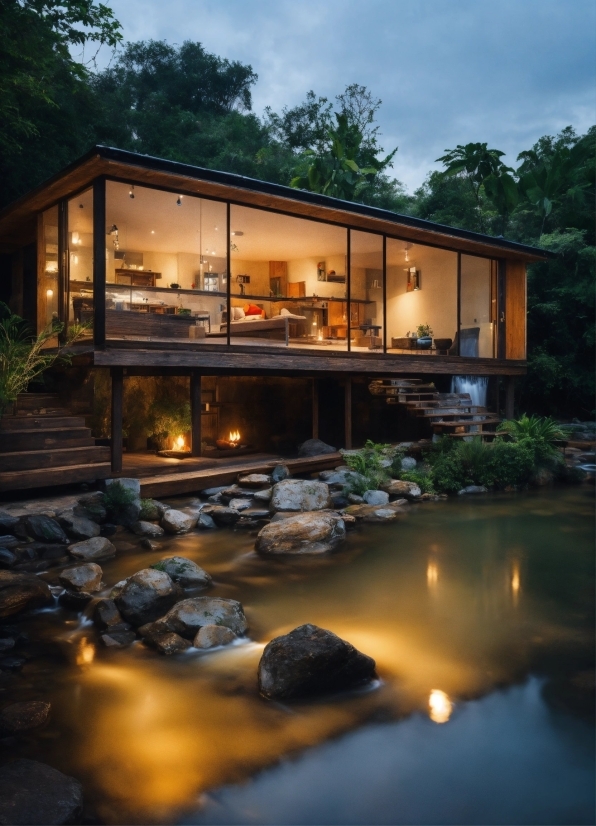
183	103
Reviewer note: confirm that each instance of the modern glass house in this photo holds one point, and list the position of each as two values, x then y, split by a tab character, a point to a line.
172	267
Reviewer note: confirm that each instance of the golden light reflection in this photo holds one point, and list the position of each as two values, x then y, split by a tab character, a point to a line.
432	574
515	581
85	652
234	436
440	706
179	443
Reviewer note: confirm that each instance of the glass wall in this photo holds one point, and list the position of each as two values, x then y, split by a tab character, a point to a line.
421	299
166	265
366	290
80	262
478	296
288	280
47	291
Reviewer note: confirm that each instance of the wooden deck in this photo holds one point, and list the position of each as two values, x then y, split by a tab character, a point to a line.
193	475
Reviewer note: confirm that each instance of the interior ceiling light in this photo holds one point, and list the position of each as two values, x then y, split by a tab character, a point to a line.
131	193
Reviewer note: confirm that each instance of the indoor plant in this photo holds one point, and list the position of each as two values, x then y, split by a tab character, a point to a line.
424	340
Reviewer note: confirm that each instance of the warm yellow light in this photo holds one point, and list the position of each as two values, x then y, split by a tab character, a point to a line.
76	238
179	443
49	293
234	436
432	574
440	706
86	653
515	581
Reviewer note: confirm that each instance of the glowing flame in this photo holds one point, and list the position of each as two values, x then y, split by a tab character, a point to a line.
179	443
440	706
234	437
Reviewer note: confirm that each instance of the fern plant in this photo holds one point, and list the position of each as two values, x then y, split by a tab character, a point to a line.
540	433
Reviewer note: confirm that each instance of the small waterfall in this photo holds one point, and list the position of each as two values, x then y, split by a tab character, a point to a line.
476	386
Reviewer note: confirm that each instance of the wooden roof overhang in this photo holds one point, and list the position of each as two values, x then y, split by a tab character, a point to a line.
17	221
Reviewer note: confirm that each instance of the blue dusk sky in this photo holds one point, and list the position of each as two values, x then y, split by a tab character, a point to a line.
447	71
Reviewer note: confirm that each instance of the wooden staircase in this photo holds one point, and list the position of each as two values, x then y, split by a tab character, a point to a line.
448	414
42	444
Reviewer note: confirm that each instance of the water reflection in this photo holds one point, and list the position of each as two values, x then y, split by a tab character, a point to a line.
148	734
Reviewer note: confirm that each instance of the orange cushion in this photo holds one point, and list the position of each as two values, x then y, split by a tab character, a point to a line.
251	309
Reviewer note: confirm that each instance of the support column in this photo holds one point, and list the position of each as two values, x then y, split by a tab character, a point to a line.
315	408
509	397
348	413
116	440
195	413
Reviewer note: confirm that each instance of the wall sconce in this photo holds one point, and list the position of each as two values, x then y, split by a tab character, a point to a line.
413	282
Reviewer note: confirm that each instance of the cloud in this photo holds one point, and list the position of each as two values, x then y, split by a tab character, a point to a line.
448	72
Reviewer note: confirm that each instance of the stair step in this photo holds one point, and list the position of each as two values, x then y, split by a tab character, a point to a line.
33	401
463	424
44	411
40	422
61	457
13	440
432	417
48	477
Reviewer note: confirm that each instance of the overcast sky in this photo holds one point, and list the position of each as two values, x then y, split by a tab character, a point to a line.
447	71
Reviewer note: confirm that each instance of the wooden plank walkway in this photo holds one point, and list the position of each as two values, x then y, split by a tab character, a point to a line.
172	484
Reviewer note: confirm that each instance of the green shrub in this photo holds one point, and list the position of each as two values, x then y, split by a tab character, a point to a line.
448	473
510	464
117	499
367	462
496	465
539	433
418	477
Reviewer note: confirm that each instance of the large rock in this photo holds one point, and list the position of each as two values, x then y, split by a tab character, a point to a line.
20	592
159	636
205	522
409	490
315	447
310	660
74	600
9	541
23	716
264	495
301	533
177	522
279	473
146	596
94	510
340	478
78	527
107	617
239	504
42	528
408	463
300	495
472	489
7	558
99	547
223	516
212	636
8	522
152	510
374	513
82	578
375	497
254	480
184	571
235	492
32	792
188	616
142	528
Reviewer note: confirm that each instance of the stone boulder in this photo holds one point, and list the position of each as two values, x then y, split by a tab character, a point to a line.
142	528
118	639
9	541
152	510
32	792
254	480
472	489
408	463
99	547
374	513
188	616
107	617
315	447
316	532
239	504
310	661
212	636
375	497
184	571
74	600
82	578
235	492
77	527
264	495
409	490
8	522
146	596
21	592
42	528
159	636
279	473
300	495
94	510
223	516
23	716
177	522
7	558
205	522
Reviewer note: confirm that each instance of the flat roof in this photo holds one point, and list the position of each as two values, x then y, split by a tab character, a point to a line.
105	160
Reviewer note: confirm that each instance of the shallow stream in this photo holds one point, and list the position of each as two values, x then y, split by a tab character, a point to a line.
479	613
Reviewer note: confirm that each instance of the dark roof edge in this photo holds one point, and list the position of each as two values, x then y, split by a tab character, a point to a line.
254	184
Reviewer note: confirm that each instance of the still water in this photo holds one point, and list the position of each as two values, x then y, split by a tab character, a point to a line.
480	616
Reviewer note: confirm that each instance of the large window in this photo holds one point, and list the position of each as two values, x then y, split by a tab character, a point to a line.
478	307
288	280
49	270
166	265
421	293
366	290
80	262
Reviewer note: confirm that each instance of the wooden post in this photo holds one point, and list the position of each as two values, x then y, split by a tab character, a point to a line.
348	413
315	408
99	262
195	412
510	397
116	441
